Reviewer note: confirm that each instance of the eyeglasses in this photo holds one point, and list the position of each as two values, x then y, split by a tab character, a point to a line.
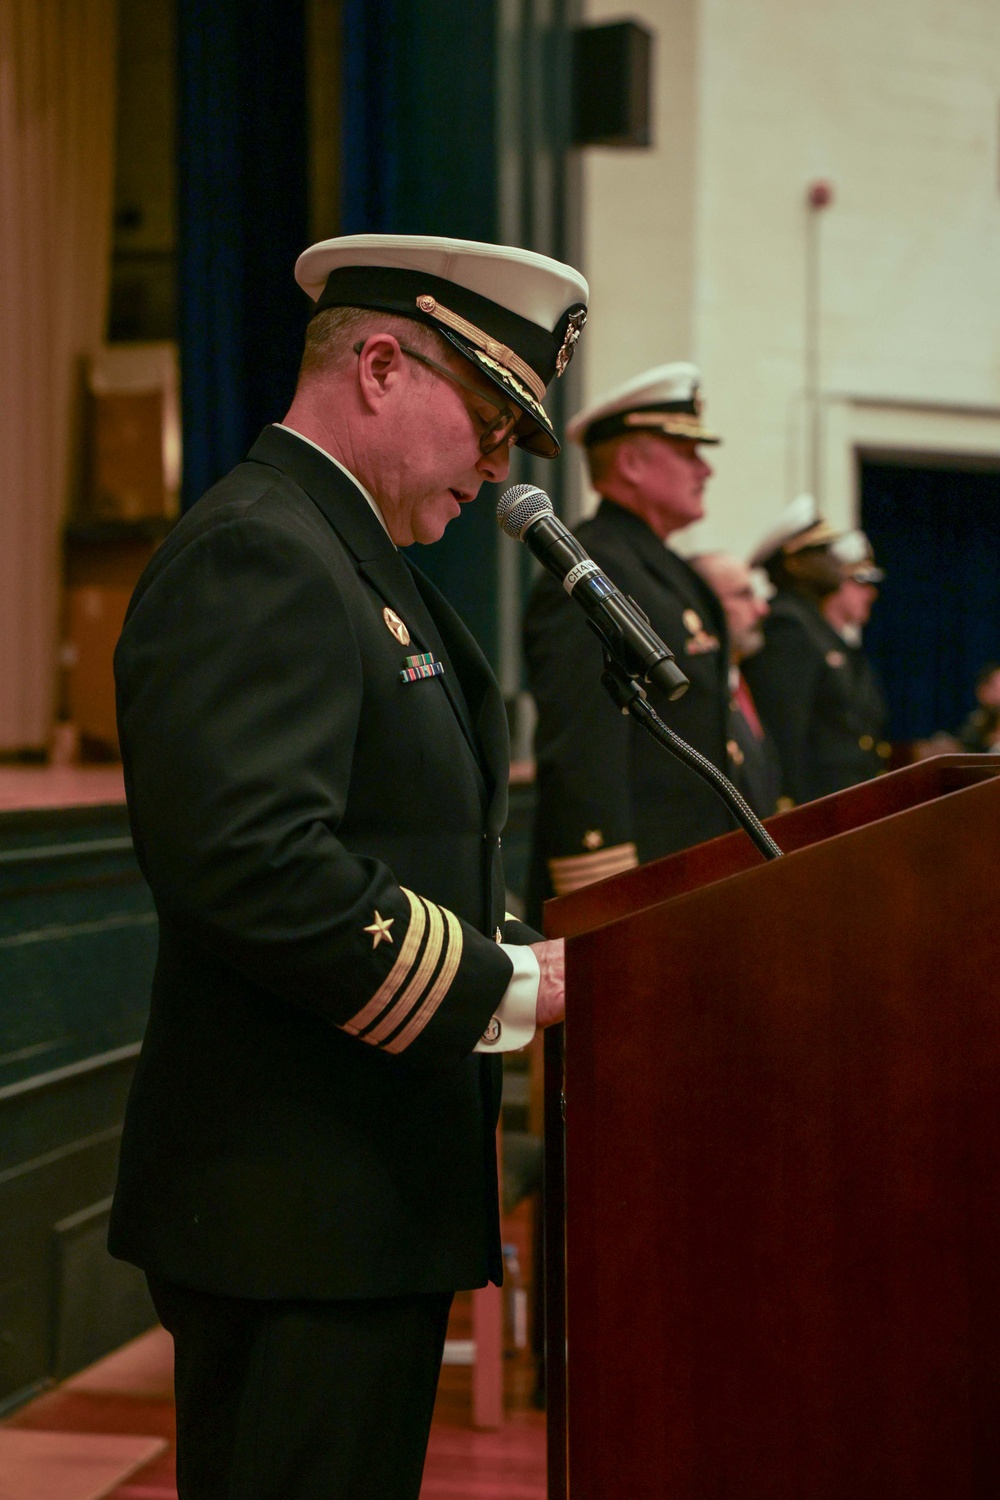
502	429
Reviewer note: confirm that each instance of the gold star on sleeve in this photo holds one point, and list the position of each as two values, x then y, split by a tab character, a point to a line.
380	929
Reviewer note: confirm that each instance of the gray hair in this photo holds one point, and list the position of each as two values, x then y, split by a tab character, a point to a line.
332	334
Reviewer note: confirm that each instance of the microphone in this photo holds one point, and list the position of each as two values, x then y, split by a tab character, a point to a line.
525	513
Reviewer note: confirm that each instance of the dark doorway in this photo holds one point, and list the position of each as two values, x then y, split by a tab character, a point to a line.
937	532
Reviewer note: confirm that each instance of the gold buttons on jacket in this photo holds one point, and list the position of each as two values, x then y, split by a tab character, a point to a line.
883	749
866	742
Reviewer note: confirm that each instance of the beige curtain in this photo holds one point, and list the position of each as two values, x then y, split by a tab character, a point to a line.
57	101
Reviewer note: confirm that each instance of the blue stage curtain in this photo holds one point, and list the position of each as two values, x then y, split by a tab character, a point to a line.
419	156
243	213
937	532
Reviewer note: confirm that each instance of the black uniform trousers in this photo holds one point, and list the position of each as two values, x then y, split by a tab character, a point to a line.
352	1424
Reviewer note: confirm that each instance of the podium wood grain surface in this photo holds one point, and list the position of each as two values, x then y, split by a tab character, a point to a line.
782	1160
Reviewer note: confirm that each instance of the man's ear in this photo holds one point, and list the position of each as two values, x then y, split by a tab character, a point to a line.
628	460
380	366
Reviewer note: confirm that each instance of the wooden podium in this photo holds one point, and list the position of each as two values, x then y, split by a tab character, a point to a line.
773	1139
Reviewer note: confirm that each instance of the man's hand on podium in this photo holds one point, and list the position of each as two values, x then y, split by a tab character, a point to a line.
551	1006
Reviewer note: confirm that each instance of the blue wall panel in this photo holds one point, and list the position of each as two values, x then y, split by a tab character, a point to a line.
77	949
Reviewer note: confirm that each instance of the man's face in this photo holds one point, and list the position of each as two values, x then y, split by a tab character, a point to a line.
856	600
988	692
668	477
744	605
429	462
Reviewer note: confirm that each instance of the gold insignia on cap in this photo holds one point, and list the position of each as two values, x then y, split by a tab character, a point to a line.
680	424
692	621
492	1033
593	838
835	658
574	328
395	626
817	535
380	929
511	379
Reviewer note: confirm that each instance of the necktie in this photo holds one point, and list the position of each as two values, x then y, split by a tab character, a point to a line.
743	699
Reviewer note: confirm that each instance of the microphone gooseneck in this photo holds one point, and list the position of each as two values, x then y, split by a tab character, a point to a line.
632	649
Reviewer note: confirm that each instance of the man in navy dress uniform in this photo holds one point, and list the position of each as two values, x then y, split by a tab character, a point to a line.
812	684
608	796
753	756
315	754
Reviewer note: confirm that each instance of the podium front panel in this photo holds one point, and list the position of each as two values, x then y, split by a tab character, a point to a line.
783	1176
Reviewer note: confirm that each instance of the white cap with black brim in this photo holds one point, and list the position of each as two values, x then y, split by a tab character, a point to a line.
856	556
666	399
515	314
799	526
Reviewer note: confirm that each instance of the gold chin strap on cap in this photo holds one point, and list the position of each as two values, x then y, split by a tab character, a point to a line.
499	352
673	423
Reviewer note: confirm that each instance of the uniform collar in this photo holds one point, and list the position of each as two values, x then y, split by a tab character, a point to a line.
283	427
331	487
335	491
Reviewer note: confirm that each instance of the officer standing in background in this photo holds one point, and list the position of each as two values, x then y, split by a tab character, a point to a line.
813	686
848	611
980	733
315	755
608	796
753	755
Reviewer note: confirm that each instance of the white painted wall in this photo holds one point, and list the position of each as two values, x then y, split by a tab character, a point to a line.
696	248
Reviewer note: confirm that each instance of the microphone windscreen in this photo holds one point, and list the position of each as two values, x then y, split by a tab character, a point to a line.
519	506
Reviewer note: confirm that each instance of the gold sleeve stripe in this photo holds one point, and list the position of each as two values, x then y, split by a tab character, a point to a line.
418	983
577	870
440	987
400	969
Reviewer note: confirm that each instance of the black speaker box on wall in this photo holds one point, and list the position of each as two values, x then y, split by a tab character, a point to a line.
612	74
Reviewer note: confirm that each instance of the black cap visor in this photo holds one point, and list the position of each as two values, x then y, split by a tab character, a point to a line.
534	432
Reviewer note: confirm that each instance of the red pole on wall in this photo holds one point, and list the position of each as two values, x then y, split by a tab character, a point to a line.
819	196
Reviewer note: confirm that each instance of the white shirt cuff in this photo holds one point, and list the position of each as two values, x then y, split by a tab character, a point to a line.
513	1022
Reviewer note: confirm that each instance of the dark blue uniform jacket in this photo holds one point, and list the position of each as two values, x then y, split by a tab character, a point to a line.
308	1117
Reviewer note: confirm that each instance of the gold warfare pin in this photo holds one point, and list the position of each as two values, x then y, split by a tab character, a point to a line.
395	626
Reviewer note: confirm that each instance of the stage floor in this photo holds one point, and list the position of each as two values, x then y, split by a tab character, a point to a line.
59	786
130	1393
